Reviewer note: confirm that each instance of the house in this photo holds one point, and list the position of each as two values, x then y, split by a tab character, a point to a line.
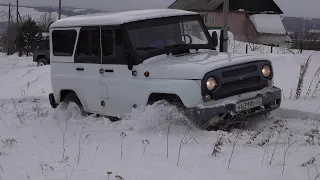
256	21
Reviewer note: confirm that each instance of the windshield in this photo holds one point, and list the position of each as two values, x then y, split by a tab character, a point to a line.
148	37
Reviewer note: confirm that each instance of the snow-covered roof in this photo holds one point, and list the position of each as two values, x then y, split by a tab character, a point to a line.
115	18
268	23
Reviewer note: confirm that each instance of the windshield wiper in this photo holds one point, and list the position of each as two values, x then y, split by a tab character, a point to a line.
147	48
176	45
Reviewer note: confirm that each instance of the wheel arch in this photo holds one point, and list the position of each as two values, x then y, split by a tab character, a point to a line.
64	92
170	97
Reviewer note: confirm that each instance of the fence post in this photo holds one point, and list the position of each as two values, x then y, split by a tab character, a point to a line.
246	48
301	47
271	48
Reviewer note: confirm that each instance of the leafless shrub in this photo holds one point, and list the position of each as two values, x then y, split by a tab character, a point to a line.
303	70
82	142
168	131
3	121
19	116
234	144
266	139
46	168
275	147
2	105
316	75
122	136
8	142
286	152
109	173
64	129
145	143
254	136
311	136
309	162
118	177
217	146
181	142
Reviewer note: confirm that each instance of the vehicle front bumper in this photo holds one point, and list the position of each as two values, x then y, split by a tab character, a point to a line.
210	114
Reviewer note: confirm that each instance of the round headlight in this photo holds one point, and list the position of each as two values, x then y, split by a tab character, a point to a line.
266	71
211	83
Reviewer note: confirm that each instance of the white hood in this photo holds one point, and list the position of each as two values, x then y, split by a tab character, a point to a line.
191	66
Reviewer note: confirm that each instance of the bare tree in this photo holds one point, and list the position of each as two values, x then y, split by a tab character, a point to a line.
44	21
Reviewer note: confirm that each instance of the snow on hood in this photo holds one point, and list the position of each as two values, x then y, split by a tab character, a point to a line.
191	66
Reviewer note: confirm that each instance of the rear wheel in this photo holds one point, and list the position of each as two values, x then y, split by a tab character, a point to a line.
41	62
73	98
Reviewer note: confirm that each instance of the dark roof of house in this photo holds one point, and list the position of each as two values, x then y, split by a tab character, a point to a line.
249	6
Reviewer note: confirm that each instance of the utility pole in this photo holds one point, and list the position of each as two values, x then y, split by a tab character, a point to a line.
8	31
17	31
59	9
225	25
17	12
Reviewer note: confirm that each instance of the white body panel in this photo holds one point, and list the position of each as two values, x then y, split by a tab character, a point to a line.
116	91
193	66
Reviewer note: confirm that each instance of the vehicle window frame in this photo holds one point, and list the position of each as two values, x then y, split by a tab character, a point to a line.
112	60
87	59
147	22
74	43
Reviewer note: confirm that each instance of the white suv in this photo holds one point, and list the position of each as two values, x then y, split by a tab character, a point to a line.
110	63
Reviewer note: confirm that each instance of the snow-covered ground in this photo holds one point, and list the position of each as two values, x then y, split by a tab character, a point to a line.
34	136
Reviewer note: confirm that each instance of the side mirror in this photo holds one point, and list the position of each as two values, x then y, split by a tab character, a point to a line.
120	55
214	37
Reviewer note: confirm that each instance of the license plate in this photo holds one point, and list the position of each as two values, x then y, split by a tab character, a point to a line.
242	106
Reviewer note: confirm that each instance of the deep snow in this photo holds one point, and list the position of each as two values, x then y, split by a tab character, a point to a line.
32	145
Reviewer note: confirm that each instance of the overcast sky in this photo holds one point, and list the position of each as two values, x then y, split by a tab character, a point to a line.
304	8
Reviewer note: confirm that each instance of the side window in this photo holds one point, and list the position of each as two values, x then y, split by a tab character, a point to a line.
88	48
112	46
63	42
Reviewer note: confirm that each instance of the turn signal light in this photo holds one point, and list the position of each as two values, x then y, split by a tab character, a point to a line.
146	74
206	98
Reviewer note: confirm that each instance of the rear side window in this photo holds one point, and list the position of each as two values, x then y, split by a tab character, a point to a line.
63	42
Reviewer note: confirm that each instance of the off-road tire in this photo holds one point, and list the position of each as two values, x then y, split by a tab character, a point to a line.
41	62
72	97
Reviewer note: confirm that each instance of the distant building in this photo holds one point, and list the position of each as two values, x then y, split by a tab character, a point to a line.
256	21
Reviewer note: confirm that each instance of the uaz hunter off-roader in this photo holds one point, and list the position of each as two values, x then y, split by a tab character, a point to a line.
110	63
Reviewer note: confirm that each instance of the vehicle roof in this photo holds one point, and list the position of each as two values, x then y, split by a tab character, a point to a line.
117	18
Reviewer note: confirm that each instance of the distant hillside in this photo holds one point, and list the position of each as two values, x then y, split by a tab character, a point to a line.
293	23
36	12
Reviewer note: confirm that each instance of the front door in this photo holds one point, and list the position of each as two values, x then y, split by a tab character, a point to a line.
87	61
116	78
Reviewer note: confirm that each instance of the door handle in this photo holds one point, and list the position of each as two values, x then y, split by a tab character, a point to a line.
108	70
80	69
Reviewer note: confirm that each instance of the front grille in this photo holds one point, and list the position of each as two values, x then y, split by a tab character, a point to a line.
237	72
239	84
235	80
